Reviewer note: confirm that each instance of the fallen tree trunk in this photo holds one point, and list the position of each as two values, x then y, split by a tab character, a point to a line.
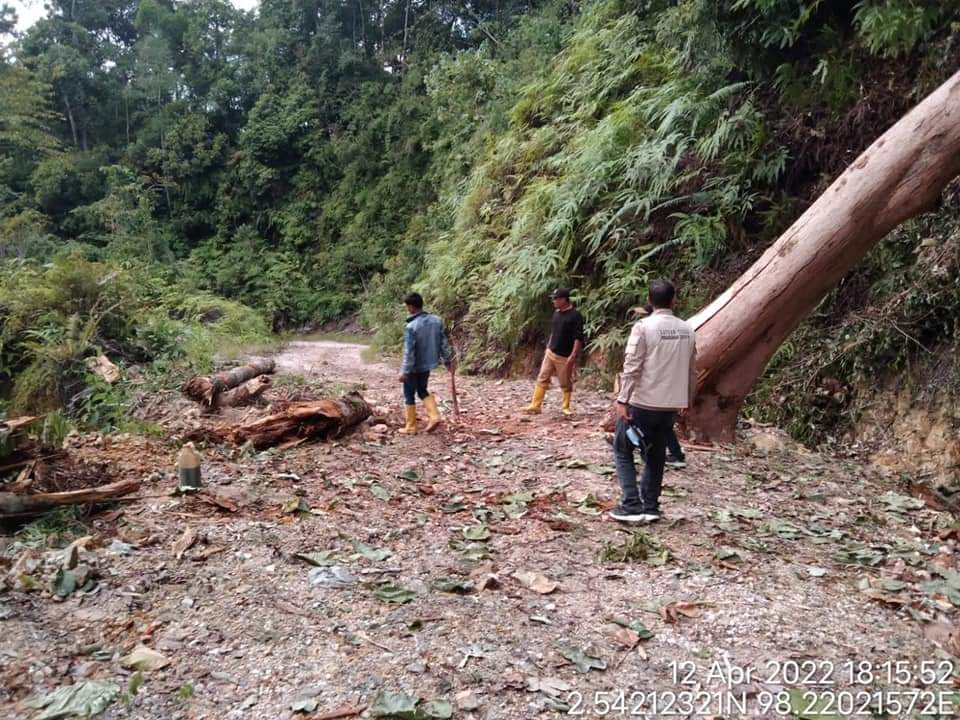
897	177
13	504
206	389
293	424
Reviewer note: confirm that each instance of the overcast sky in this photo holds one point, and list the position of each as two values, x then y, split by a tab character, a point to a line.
29	11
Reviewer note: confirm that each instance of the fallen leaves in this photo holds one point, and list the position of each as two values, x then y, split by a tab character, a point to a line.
184	542
582	660
391	593
144	658
672	612
82	699
535	581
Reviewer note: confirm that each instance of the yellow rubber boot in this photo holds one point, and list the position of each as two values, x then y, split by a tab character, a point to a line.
430	403
410	412
539	392
565	407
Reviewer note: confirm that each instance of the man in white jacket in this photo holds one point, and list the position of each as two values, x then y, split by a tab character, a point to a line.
659	379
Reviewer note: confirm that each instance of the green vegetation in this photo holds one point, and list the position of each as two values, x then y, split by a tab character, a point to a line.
179	177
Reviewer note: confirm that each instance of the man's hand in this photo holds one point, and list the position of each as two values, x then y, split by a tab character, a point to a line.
623	412
571	369
403	378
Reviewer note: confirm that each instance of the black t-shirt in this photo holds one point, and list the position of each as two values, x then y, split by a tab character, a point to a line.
567	328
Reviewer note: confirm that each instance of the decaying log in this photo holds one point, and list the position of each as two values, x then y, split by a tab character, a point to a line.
293	424
13	504
243	394
205	389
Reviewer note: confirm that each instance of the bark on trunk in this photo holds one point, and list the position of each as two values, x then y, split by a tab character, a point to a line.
243	394
206	389
295	423
73	124
12	504
899	176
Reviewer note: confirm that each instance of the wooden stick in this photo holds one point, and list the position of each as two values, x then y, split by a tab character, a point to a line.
380	645
11	503
341	712
453	393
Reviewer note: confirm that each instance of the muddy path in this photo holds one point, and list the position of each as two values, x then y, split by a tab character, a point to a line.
353	361
412	565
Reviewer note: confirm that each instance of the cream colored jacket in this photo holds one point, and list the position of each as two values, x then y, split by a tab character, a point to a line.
660	367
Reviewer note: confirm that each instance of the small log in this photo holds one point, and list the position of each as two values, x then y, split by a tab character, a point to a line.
18	504
243	394
206	389
294	423
24	479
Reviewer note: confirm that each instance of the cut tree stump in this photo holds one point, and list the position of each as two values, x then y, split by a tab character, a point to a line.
206	389
293	423
12	504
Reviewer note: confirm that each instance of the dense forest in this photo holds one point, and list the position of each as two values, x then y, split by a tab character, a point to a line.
179	177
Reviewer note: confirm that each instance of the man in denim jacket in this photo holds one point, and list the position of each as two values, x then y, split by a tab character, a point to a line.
424	346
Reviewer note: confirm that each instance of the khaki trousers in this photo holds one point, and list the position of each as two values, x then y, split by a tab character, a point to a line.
554	364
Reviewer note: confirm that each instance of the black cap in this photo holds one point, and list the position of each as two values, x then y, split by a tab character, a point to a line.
560	293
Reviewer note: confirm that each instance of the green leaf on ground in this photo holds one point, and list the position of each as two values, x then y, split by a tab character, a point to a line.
638	627
728	554
379	491
82	699
476	532
900	504
394	705
475	552
394	594
410	475
371	553
581	660
782	529
640	547
452	585
64	583
294	505
455	505
589	505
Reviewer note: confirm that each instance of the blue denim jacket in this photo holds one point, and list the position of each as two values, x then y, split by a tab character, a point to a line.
424	344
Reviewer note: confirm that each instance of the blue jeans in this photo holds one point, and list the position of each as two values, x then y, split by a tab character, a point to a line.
656	426
415	383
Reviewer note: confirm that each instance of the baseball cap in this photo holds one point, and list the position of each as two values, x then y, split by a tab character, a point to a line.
560	293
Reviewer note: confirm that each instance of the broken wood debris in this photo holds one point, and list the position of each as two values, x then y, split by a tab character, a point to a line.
206	390
293	424
14	504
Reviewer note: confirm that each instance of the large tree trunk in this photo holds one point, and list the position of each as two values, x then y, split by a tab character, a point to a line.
293	423
899	176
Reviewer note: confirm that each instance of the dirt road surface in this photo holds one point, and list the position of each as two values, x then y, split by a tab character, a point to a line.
424	558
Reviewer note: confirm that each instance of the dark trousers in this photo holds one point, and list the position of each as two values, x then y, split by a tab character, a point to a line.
673	445
415	383
656	426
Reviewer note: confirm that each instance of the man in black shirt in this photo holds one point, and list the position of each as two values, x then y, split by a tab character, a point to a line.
563	347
